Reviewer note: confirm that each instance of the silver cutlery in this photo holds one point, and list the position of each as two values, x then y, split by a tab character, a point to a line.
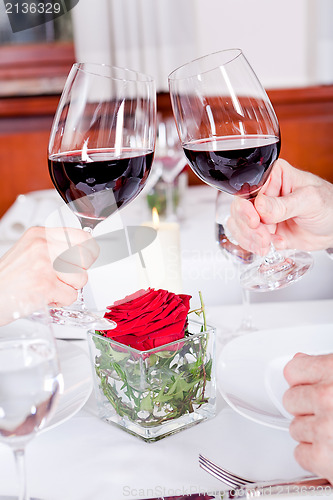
254	490
235	481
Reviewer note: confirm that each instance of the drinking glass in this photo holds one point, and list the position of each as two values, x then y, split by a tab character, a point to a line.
169	161
231	138
100	151
231	250
30	381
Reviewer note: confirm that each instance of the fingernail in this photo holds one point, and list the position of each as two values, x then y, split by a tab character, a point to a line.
280	243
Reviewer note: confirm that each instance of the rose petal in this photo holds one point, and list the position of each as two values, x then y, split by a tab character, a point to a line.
149	318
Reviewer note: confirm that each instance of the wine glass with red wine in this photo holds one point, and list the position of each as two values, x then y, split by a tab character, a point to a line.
101	150
231	138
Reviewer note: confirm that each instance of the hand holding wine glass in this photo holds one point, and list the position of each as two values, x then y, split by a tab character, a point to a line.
30	381
27	270
101	150
298	204
230	135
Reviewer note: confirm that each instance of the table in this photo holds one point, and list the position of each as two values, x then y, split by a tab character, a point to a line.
85	458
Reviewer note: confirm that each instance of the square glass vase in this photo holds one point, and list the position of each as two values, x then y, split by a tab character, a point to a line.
155	393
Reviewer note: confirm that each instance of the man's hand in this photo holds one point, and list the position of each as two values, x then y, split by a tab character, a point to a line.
310	400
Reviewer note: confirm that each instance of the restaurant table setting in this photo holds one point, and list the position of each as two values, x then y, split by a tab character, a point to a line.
151	366
79	456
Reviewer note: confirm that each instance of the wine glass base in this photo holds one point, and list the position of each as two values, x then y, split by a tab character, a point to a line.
67	316
263	277
242	329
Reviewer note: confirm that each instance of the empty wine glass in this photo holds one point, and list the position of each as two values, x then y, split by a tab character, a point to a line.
231	138
30	381
169	161
168	149
100	151
232	251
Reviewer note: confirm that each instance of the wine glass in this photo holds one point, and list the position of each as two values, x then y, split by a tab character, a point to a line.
169	162
231	138
100	151
30	381
231	250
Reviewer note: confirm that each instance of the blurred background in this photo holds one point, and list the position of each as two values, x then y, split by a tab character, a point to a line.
289	44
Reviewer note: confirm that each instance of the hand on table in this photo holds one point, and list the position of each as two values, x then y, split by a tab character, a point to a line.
294	209
27	274
310	400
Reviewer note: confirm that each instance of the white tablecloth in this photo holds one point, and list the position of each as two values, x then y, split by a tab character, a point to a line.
86	459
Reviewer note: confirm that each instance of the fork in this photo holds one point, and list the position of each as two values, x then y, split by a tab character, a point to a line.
234	481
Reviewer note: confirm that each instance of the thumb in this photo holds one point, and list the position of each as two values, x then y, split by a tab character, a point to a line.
273	209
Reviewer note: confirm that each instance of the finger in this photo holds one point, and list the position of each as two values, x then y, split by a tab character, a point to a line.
292	205
75	246
63	295
243	210
302	429
77	258
68	235
255	241
281	179
284	178
308	369
279	242
301	355
54	290
74	280
304	456
300	400
272	186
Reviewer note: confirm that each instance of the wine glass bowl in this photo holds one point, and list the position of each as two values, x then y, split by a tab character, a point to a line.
231	138
102	141
168	150
101	149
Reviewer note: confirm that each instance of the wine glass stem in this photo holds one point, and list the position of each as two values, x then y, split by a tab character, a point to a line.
169	200
80	298
273	257
247	318
19	454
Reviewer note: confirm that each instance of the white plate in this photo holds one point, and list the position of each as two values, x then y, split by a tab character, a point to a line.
249	370
76	371
275	383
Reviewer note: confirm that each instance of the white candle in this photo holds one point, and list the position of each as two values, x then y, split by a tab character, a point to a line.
162	257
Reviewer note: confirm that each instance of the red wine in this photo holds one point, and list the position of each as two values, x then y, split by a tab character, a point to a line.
97	183
234	164
231	248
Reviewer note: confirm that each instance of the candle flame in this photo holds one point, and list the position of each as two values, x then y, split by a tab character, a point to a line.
156	219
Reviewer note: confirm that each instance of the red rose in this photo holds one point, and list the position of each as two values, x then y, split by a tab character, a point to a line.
149	318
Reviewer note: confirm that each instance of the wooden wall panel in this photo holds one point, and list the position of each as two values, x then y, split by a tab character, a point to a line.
25	125
306	122
306	119
36	60
23	165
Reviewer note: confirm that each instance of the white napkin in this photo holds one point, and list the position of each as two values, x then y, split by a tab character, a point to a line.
28	210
